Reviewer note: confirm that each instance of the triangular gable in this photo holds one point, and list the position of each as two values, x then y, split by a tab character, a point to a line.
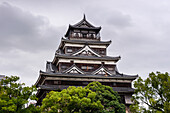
86	50
102	71
74	69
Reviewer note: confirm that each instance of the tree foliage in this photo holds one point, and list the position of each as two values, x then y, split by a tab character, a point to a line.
14	96
154	93
71	100
109	98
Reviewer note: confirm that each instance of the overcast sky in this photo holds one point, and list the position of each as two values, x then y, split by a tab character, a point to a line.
30	32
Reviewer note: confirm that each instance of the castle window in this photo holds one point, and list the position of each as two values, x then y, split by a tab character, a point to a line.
110	69
57	82
63	67
103	52
114	84
69	50
76	31
84	35
87	67
90	67
84	67
77	35
84	32
91	36
85	83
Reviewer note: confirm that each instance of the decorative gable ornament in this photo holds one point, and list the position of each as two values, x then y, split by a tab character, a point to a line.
74	70
86	50
102	71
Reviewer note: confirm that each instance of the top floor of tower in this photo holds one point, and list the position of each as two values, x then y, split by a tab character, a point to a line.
83	30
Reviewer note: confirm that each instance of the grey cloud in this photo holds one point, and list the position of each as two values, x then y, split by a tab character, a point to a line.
119	20
23	30
112	18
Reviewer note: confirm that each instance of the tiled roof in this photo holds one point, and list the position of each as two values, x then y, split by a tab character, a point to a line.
117	75
108	58
86	42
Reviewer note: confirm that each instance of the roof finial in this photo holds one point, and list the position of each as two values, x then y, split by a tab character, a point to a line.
84	17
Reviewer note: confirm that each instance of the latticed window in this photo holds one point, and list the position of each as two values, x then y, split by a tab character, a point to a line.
91	35
77	35
63	67
110	69
84	35
57	82
87	67
69	50
102	52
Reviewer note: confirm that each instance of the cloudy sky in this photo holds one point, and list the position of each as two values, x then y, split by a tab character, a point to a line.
30	32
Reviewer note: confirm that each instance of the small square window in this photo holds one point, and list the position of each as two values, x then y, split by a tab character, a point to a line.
110	69
83	67
69	50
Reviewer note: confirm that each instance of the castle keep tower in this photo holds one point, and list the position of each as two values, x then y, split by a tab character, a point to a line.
82	58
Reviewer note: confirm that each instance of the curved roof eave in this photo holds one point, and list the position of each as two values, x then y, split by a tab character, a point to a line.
126	77
87	42
89	57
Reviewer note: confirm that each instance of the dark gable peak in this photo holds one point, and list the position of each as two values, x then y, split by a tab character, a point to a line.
83	23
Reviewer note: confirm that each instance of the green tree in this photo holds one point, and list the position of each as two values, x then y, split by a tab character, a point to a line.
71	100
14	96
109	98
153	94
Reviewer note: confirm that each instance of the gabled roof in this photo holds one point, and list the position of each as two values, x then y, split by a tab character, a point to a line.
86	49
74	69
83	24
102	69
63	40
105	58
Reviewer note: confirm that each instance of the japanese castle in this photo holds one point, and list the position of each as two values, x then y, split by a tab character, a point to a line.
82	58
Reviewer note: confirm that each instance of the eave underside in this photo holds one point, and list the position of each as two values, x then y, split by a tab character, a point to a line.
61	87
43	88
